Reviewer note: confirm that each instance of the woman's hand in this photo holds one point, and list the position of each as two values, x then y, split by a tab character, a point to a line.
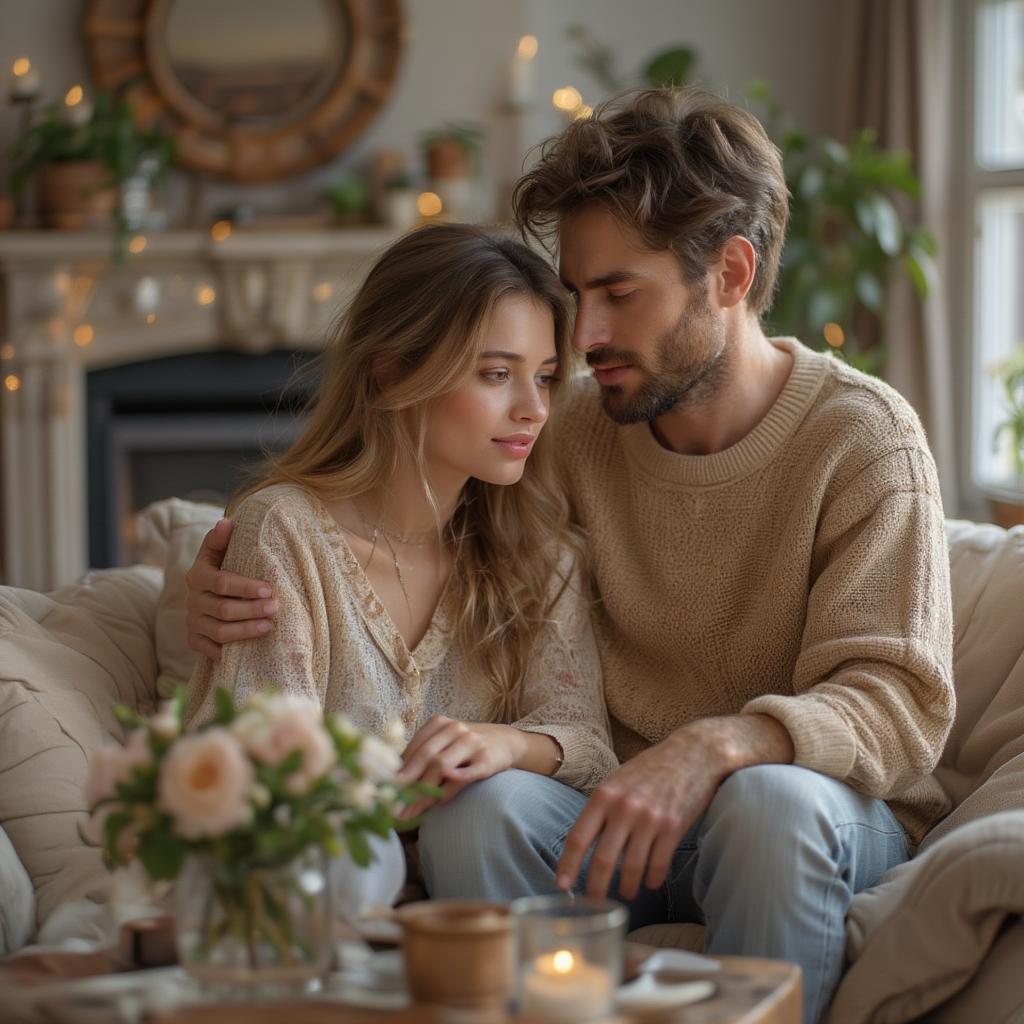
451	754
223	606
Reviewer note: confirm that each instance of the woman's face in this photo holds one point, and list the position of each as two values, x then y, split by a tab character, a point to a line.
487	425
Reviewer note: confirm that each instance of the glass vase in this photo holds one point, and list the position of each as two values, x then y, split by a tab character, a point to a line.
254	932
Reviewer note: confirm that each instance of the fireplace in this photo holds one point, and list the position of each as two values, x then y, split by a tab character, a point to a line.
87	387
189	426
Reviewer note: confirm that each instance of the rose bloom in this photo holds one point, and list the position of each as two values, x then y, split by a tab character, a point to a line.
378	760
361	795
112	765
205	784
394	734
165	722
281	725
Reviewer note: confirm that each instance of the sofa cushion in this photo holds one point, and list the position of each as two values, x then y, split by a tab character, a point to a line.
987	574
17	899
66	659
920	935
170	533
670	936
994	992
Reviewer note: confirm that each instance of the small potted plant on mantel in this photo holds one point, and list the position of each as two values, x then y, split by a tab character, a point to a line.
81	155
451	154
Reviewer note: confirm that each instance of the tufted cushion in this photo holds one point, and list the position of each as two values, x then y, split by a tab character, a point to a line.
65	660
171	532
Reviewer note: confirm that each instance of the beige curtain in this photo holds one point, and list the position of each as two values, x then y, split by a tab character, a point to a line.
897	79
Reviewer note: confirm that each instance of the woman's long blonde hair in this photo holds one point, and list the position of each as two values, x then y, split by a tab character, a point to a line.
412	333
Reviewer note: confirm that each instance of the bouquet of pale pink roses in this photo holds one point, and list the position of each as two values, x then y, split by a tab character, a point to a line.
246	813
253	788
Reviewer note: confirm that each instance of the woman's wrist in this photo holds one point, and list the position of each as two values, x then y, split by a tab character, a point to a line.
536	752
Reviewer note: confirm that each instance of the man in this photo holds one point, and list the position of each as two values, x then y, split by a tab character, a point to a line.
768	549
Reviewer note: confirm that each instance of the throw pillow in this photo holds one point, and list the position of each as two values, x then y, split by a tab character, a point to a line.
171	533
66	659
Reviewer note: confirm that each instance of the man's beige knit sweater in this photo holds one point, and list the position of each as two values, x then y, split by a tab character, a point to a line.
801	573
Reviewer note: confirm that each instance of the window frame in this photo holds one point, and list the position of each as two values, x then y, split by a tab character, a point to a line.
974	181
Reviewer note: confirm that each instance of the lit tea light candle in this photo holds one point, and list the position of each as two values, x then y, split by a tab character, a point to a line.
77	109
562	986
25	80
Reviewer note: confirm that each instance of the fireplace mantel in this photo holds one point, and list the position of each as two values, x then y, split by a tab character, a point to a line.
69	308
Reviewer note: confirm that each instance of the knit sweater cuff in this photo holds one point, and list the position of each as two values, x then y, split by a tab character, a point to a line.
822	741
577	768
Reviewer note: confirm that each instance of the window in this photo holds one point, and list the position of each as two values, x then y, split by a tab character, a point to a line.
996	185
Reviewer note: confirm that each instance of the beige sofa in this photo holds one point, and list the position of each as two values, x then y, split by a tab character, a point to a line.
941	936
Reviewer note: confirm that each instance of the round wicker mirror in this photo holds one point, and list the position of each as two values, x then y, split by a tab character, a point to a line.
251	90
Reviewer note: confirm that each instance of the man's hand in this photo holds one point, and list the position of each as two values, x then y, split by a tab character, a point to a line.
642	811
223	606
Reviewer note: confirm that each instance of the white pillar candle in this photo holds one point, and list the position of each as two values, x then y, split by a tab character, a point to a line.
564	987
520	73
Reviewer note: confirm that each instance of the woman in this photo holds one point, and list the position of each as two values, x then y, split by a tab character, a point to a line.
418	548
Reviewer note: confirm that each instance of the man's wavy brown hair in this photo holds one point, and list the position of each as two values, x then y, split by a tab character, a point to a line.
684	168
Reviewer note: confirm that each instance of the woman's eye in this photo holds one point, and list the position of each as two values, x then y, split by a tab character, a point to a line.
548	380
497	376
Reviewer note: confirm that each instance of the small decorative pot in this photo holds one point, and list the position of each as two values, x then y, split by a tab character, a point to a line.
1007	513
76	194
447	158
254	932
458	953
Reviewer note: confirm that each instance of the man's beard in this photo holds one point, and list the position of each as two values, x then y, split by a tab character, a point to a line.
690	365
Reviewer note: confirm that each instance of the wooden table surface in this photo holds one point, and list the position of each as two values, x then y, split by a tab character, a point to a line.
749	991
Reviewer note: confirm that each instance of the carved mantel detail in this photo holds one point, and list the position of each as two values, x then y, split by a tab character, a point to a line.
68	309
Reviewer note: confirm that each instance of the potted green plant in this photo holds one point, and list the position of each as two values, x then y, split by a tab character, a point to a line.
452	157
81	163
850	233
451	151
349	196
1007	504
665	68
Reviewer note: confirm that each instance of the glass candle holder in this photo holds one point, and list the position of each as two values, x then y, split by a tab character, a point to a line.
568	956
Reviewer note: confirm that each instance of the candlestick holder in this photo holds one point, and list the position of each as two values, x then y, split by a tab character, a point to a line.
568	956
25	105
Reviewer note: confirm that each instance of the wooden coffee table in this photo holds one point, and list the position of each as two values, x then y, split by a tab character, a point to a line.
749	991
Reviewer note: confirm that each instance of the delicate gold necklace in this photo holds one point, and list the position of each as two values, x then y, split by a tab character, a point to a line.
377	531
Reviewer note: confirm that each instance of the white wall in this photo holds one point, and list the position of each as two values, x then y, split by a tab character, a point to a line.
455	64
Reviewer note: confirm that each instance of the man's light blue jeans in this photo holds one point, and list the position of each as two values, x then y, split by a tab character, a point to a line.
770	870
